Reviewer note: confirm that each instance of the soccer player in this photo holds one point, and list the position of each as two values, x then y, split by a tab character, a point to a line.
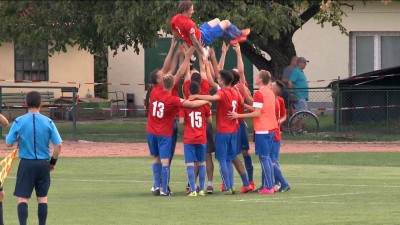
3	122
225	140
241	139
195	140
163	109
184	28
34	132
243	134
280	110
265	125
156	77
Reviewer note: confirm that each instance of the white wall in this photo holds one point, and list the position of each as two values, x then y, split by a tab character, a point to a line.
127	68
328	49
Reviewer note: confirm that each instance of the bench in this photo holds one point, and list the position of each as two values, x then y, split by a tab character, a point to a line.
16	101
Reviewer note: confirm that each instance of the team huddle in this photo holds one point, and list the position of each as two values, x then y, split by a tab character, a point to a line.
232	98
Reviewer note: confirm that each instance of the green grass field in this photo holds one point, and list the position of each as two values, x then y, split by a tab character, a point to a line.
327	188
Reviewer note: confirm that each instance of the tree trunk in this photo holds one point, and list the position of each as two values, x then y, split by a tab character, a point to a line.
281	51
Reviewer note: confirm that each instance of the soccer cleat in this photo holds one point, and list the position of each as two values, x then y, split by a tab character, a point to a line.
252	185
266	191
193	194
156	191
152	189
210	189
166	194
284	189
227	192
169	190
245	32
233	190
202	193
187	189
222	187
238	40
246	189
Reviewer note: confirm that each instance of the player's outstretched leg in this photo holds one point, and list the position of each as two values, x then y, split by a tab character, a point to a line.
266	168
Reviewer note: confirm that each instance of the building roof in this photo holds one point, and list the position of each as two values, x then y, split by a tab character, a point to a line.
383	78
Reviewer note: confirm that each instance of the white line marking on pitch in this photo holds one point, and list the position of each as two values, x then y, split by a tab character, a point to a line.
309	196
350	185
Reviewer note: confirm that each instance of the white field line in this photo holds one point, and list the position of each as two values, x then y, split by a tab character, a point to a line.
303	197
320	202
181	182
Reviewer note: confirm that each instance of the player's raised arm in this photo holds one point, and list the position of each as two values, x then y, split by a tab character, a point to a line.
168	60
240	65
224	50
185	64
210	79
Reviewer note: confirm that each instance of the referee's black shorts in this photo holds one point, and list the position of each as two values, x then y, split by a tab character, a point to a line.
32	174
210	138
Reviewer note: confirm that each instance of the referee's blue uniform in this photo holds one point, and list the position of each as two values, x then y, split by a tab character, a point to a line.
34	132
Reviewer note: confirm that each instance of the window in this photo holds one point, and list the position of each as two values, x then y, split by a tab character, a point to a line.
373	51
31	66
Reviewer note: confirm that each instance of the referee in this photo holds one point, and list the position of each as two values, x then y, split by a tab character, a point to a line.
34	132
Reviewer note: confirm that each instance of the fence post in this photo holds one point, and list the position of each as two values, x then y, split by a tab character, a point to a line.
74	105
338	108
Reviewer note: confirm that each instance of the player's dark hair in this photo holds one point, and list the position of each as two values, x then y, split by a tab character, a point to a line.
236	77
194	88
279	84
33	99
184	6
153	76
226	77
196	77
264	75
168	81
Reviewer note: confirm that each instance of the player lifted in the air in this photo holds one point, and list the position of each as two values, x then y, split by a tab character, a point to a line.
183	27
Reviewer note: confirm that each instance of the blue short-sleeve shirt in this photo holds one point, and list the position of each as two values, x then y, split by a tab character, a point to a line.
34	132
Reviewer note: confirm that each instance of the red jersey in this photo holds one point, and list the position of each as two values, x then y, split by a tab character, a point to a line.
184	26
280	111
204	88
240	108
195	124
163	107
227	103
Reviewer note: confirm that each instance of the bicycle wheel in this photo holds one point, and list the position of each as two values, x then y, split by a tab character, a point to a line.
304	123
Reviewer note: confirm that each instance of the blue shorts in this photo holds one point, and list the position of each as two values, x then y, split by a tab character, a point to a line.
195	152
210	34
301	105
243	137
276	146
32	174
225	146
160	145
263	143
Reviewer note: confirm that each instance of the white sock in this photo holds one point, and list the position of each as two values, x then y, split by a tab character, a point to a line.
209	183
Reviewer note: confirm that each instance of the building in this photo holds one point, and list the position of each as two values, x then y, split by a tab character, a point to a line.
69	69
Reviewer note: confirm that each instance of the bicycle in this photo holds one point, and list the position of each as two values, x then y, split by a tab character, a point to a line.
303	122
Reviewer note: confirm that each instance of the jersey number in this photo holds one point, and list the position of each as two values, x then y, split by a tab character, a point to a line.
158	109
234	104
196	119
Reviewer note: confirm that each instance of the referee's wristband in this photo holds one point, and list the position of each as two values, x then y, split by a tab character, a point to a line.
53	161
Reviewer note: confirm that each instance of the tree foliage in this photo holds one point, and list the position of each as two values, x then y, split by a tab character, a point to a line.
97	25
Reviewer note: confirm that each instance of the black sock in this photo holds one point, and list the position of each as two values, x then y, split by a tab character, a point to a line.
1	213
42	213
22	213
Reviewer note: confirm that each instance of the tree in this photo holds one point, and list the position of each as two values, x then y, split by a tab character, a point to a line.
97	25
